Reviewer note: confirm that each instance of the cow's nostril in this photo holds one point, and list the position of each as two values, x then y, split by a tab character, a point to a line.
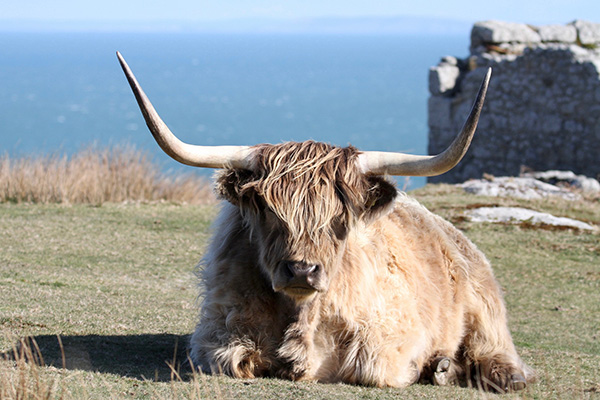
312	269
289	269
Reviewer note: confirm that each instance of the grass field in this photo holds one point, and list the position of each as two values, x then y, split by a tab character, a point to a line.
108	295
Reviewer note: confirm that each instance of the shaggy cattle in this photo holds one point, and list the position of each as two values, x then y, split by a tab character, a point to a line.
319	269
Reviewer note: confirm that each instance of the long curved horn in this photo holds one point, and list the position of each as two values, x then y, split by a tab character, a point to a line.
196	156
380	163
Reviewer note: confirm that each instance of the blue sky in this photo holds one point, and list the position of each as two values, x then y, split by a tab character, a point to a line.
534	12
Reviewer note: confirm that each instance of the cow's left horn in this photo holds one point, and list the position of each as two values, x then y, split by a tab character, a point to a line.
380	163
196	156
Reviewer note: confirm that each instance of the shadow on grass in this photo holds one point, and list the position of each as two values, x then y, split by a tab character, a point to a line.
144	357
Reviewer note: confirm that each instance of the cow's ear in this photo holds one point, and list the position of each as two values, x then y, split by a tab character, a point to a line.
231	185
380	197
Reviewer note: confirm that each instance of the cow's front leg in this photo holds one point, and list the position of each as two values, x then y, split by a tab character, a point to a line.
239	357
297	346
294	355
231	343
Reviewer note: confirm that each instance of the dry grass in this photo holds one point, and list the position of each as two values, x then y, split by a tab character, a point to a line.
96	176
25	376
26	380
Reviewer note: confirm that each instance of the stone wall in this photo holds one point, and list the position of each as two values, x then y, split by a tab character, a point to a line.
542	110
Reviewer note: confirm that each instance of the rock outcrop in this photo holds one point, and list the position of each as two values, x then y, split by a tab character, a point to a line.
518	215
518	187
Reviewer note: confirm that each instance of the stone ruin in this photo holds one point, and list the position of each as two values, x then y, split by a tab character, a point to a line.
542	109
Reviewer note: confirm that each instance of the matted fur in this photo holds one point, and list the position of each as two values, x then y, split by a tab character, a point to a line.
398	287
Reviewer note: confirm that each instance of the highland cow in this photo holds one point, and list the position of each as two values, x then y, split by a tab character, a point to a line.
319	269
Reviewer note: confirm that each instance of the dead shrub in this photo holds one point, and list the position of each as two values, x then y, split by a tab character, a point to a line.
95	176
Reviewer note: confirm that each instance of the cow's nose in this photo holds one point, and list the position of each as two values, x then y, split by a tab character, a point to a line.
301	273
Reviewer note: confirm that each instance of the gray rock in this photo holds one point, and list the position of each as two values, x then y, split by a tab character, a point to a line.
449	60
518	215
442	78
522	188
439	114
588	32
558	33
495	32
567	178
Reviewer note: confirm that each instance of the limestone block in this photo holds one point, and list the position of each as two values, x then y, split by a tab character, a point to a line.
558	33
494	32
449	60
589	32
442	79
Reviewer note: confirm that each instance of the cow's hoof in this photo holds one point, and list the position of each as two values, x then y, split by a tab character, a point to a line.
441	376
517	382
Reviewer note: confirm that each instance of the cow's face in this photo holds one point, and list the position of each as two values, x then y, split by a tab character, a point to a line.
300	203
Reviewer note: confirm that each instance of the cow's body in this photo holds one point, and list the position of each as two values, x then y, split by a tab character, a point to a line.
319	270
408	288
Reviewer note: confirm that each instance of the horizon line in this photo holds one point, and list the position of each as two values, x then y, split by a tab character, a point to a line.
396	24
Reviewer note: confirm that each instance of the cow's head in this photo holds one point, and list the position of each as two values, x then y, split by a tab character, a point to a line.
302	200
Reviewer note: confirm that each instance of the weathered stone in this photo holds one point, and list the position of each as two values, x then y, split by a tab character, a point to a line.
566	178
495	32
442	78
439	113
520	215
558	33
449	60
588	32
522	188
542	109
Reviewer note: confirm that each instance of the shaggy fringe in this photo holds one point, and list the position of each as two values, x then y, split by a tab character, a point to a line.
287	175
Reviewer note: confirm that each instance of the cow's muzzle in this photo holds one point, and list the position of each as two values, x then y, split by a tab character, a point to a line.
300	278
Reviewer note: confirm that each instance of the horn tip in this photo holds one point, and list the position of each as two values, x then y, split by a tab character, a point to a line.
120	57
488	74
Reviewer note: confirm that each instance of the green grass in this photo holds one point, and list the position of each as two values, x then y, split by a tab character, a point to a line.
116	283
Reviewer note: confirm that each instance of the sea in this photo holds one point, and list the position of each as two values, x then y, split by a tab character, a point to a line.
61	92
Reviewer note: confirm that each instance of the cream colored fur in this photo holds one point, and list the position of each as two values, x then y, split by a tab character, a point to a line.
404	287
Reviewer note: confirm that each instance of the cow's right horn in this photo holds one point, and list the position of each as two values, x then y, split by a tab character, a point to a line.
196	156
380	162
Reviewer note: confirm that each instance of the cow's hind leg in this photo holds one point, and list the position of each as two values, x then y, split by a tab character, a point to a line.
497	372
498	375
490	358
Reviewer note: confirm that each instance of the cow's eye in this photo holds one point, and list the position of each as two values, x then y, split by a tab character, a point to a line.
340	227
269	216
